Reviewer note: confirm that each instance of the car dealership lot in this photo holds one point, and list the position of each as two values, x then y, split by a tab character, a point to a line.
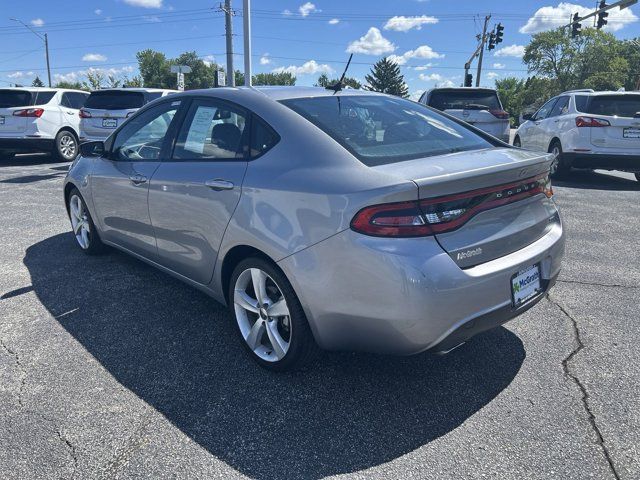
111	369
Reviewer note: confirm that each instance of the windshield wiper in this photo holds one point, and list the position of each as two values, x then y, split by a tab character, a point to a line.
476	106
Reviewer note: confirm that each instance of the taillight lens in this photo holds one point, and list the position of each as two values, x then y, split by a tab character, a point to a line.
29	112
438	215
84	114
591	122
499	114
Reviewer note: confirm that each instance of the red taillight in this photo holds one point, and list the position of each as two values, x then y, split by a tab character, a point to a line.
591	122
438	215
84	114
29	112
499	114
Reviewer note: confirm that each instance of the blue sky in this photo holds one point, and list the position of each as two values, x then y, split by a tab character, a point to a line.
430	39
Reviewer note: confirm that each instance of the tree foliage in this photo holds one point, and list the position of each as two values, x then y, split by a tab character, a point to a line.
72	85
385	77
324	81
37	82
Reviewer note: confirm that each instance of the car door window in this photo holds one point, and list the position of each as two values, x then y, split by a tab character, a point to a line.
263	137
545	110
142	137
212	130
561	107
66	100
77	99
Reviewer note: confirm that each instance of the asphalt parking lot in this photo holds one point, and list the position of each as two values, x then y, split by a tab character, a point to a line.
111	369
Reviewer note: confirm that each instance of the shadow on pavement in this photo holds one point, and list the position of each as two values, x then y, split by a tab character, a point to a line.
28	160
175	348
596	180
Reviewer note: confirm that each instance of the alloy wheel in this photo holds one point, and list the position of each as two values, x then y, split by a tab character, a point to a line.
80	221
262	314
556	160
67	146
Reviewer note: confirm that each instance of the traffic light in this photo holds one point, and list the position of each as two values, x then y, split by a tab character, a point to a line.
468	80
602	16
499	33
492	41
575	26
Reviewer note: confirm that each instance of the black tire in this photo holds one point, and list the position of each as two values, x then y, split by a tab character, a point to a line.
66	146
559	167
516	142
95	245
302	346
6	155
637	176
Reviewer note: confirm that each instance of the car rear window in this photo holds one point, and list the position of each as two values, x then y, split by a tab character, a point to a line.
464	99
609	105
379	130
115	100
14	98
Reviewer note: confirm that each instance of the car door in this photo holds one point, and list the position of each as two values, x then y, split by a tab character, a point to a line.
535	134
120	181
71	103
193	195
552	126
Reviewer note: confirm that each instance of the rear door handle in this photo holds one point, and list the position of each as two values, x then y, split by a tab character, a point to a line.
138	179
219	184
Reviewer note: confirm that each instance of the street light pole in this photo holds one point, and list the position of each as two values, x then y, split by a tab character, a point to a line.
45	39
246	14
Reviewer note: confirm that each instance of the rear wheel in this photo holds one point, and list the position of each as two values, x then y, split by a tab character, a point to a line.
516	142
558	167
269	317
66	146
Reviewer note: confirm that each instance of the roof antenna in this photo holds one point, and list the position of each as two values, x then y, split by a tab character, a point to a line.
336	87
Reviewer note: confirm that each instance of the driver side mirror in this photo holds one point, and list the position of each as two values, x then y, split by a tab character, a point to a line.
92	149
527	116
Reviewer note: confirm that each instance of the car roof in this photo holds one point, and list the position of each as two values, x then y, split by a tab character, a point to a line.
134	89
43	89
462	89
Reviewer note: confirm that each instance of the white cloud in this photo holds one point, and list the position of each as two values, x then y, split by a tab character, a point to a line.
287	12
307	8
416	94
305	69
208	60
547	18
492	75
264	59
145	3
510	51
499	66
97	11
437	78
404	24
79	75
94	57
20	74
372	43
37	22
423	67
334	21
423	51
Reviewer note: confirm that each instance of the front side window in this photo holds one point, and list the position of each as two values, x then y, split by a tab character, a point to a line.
561	107
379	130
211	131
142	137
545	110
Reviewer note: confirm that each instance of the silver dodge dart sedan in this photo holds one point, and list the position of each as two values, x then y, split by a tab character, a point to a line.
342	220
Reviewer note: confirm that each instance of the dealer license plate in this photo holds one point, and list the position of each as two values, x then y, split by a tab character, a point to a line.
1	120
109	122
525	284
631	133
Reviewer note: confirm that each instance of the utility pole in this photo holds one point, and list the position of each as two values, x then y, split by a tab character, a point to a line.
246	17
228	30
481	54
45	39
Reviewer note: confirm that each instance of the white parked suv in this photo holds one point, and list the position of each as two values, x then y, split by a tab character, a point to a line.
36	119
480	107
586	129
106	109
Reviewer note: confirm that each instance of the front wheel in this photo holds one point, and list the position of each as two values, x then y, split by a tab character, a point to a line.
66	146
82	224
269	317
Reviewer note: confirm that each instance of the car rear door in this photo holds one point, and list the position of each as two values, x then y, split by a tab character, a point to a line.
120	181
194	193
622	112
555	122
12	100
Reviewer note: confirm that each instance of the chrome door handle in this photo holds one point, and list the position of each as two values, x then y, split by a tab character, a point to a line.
219	184
138	179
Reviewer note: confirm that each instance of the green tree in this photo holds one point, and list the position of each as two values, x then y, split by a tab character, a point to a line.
132	82
37	82
280	78
520	96
95	80
155	69
385	77
324	81
201	75
71	85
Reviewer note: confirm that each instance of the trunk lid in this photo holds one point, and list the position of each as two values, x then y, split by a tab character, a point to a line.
505	177
623	133
482	119
104	119
10	124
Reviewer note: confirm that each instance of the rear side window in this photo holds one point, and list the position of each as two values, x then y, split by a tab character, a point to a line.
379	130
611	105
464	99
42	98
73	100
14	98
115	100
262	137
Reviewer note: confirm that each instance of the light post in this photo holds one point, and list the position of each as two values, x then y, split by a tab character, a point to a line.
46	44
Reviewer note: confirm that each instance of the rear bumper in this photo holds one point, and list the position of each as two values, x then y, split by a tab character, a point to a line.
603	161
93	137
26	144
405	296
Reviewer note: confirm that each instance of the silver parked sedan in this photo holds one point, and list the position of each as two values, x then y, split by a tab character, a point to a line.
347	220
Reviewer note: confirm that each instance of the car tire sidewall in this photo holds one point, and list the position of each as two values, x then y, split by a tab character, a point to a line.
95	243
516	142
562	169
57	147
302	348
637	174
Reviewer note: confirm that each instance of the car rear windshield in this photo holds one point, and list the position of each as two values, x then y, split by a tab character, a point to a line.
379	130
15	98
115	100
464	99
609	105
